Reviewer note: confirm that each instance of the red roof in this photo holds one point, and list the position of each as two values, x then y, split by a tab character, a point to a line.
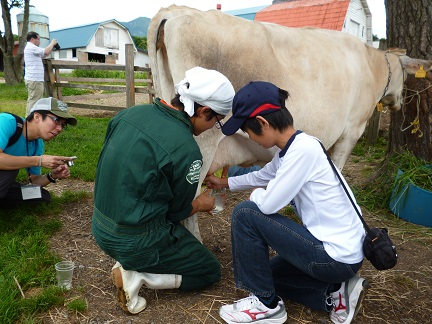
327	14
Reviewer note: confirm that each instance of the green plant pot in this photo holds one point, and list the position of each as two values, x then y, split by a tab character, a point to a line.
412	203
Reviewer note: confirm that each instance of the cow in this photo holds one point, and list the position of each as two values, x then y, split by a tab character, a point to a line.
334	79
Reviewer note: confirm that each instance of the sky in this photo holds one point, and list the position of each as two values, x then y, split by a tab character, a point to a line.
65	14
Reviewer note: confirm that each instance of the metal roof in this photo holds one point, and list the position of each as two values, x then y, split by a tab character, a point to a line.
75	37
247	13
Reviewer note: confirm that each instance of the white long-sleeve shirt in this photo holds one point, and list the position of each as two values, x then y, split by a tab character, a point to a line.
301	175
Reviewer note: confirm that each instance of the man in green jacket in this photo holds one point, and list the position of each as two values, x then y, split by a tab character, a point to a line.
146	182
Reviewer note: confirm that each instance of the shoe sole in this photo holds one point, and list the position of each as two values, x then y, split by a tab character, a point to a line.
262	321
365	285
352	315
121	295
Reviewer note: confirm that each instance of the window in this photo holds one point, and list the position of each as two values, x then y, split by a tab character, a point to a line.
111	38
107	37
62	54
354	28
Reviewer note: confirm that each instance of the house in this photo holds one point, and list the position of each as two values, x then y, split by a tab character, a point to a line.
349	16
99	42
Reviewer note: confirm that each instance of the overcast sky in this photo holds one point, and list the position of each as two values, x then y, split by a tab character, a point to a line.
65	14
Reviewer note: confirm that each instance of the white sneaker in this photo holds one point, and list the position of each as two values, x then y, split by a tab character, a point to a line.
251	310
347	300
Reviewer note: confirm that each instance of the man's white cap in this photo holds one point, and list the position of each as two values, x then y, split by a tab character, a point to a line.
56	107
208	88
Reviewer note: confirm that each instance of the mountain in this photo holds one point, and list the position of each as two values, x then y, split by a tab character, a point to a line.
137	27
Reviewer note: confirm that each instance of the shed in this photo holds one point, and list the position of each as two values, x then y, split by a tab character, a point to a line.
98	42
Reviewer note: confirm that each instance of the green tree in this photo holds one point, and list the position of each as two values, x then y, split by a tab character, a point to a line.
13	64
140	42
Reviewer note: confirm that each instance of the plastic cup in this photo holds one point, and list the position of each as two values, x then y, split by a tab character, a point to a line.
219	195
64	273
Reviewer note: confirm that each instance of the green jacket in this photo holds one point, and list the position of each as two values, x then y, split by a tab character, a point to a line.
148	170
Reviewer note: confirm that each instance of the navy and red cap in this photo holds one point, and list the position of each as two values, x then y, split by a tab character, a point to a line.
257	98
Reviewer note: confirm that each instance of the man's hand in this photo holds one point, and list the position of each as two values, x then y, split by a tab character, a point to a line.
203	203
53	162
61	172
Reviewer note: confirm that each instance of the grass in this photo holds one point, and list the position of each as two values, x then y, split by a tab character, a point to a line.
25	257
26	261
84	141
382	179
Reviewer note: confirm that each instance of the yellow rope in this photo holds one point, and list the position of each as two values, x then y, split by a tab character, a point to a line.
416	122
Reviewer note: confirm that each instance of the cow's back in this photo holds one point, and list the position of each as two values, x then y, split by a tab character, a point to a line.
321	69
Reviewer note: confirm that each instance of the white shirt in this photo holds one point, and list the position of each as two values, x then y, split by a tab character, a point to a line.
302	176
34	70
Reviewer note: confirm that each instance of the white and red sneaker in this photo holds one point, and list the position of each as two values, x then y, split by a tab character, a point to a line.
251	310
347	300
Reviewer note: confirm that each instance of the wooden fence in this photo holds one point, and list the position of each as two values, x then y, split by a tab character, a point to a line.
54	82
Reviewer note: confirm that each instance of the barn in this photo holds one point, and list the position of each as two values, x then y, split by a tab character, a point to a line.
98	42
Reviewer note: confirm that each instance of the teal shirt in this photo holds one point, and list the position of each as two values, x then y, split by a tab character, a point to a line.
148	169
19	148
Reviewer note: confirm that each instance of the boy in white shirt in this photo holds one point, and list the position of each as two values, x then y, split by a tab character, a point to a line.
316	261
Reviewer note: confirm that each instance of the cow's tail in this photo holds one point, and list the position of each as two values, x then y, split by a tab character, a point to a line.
157	52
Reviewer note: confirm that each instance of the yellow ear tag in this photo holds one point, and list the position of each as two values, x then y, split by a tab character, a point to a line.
421	73
379	107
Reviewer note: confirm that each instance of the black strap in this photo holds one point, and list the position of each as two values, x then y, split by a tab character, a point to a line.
346	191
18	131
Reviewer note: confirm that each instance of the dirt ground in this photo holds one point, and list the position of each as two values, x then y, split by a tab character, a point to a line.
400	295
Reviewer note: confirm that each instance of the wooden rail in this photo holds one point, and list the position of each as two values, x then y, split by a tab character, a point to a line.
124	87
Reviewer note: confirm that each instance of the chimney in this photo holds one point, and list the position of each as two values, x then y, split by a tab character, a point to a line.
218	6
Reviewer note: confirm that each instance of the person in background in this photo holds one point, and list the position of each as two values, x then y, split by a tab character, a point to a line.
146	181
46	120
316	261
34	69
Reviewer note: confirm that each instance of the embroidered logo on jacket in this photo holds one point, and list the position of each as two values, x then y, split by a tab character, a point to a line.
194	172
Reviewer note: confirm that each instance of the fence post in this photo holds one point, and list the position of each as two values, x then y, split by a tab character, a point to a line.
129	69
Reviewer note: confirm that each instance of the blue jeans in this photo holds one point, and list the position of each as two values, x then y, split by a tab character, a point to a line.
236	170
302	271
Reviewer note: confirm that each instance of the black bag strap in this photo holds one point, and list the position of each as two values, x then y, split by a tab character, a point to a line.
18	131
367	228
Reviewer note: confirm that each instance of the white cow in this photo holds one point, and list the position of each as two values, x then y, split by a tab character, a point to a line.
334	79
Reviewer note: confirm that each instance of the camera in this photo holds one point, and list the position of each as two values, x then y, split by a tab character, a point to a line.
56	47
71	162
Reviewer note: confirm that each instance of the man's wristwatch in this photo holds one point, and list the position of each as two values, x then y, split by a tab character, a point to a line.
50	178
